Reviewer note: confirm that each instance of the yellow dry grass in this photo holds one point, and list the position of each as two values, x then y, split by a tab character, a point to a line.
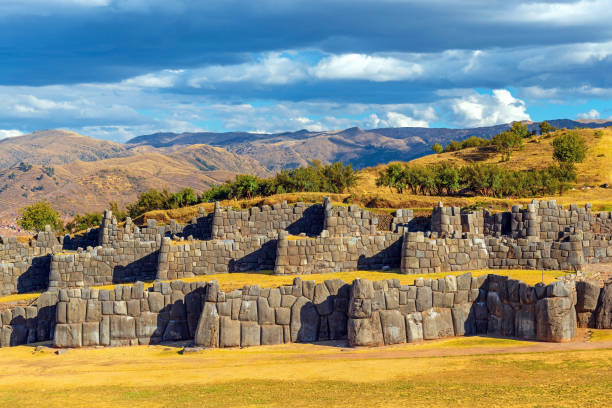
601	335
306	375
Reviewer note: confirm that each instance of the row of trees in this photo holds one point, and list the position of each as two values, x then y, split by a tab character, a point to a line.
491	180
488	180
505	142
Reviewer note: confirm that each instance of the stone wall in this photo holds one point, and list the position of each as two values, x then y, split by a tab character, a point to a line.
253	316
128	315
303	255
184	259
24	267
350	221
30	323
385	312
298	218
128	261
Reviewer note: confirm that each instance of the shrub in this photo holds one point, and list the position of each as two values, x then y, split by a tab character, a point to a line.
506	142
437	148
84	221
569	147
36	216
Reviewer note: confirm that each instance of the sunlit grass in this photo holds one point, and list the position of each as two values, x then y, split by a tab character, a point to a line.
304	375
601	335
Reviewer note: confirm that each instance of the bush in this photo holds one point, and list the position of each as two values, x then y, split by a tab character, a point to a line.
84	221
569	147
437	148
506	142
36	216
546	128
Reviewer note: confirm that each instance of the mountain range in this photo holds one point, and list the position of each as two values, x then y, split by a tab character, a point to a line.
79	174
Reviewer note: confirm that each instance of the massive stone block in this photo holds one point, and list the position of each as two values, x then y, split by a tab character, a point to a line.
414	327
68	335
556	319
393	326
437	323
207	333
304	321
603	314
229	335
366	332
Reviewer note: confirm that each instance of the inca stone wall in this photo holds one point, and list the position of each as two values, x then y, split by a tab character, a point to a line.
30	323
184	259
128	315
324	254
385	312
298	218
24	267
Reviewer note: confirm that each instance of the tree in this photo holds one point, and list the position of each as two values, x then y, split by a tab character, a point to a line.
520	129
506	142
37	216
546	128
569	147
245	186
437	148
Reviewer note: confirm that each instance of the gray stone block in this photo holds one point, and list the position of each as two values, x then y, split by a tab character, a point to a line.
68	335
271	334
437	323
393	326
122	327
207	333
250	334
424	298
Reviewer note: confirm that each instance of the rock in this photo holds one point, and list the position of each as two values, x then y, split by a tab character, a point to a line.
362	289
322	299
557	289
265	312
393	326
587	293
464	322
365	332
61	351
207	334
603	313
437	323
450	282
91	334
176	330
464	281
122	327
525	322
147	326
360	308
271	334
76	311
248	311
555	319
68	335
424	298
156	302
250	334
229	329
414	327
190	350
337	322
304	321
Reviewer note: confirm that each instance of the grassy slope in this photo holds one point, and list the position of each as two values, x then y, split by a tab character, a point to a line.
304	375
537	153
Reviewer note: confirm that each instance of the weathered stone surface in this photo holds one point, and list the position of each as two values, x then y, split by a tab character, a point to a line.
360	308
557	289
76	311
68	335
464	322
556	319
464	281
322	299
603	313
156	302
250	334
248	311
147	325
437	323
393	326
424	298
207	334
337	322
91	334
414	327
122	327
525	326
304	321
176	330
271	334
587	293
365	332
362	289
265	312
229	329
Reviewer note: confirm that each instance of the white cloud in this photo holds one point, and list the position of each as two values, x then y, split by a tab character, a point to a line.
394	119
561	13
592	114
4	133
486	110
366	67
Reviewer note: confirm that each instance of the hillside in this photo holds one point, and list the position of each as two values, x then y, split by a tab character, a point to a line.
81	186
537	153
53	147
361	148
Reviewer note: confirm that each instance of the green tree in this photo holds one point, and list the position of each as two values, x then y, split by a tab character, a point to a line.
520	129
506	142
546	128
437	148
121	215
569	147
37	216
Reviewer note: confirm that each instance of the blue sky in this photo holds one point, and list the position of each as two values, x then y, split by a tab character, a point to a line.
120	68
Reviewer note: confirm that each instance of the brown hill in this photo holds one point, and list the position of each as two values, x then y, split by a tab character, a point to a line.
82	186
52	147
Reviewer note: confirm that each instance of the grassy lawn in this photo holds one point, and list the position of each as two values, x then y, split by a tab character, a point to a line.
302	375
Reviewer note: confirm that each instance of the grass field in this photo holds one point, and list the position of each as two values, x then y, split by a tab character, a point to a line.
231	281
459	372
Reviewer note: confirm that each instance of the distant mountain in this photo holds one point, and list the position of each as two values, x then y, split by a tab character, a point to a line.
51	147
362	148
78	186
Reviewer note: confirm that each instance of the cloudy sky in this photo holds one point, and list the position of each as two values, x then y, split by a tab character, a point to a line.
121	68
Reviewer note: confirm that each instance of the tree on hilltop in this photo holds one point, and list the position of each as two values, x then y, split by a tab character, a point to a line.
36	216
569	148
